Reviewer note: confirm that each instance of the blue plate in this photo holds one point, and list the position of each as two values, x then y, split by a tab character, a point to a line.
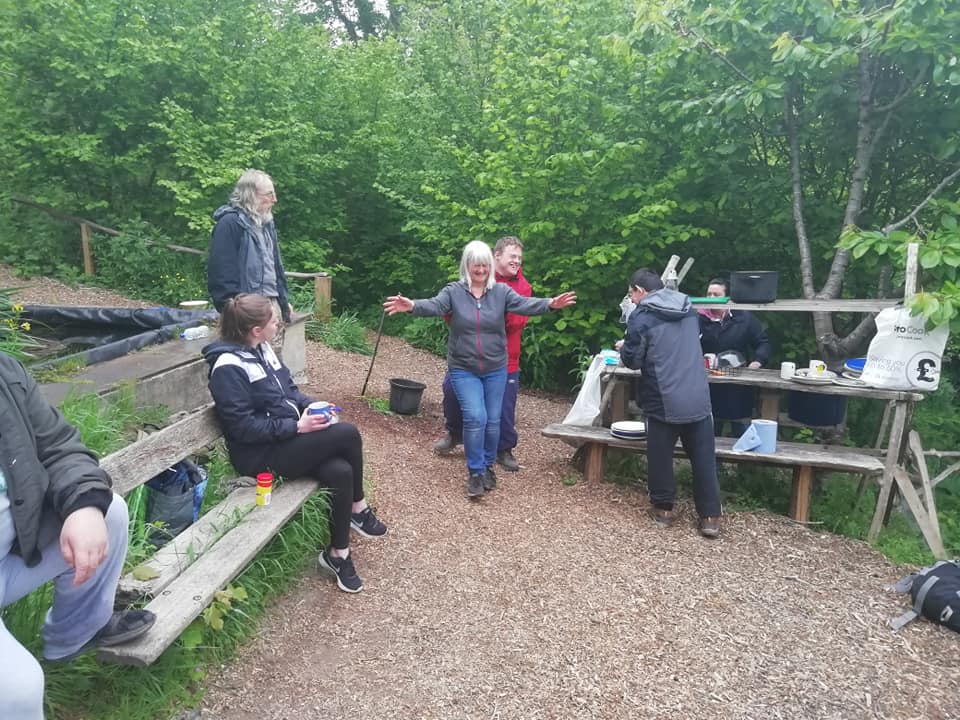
855	364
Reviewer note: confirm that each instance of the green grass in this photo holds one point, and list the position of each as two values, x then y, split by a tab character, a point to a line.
343	332
379	404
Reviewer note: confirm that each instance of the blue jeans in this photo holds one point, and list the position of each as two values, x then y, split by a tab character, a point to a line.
508	412
481	399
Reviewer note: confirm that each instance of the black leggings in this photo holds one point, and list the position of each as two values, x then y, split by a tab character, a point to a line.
334	457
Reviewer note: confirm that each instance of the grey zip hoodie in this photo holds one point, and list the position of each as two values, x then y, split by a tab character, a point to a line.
478	340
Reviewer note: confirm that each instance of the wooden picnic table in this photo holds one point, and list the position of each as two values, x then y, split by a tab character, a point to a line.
616	380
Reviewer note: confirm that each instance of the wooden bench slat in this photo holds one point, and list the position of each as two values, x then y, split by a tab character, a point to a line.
186	548
832	457
179	604
132	466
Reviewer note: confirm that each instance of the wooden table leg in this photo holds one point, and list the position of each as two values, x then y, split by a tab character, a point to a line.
770	404
800	493
887	482
593	462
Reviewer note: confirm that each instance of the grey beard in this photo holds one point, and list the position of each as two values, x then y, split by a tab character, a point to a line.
262	219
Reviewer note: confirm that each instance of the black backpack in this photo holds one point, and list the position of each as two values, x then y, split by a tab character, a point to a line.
936	595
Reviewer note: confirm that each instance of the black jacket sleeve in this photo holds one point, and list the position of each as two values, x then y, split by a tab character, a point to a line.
762	350
223	263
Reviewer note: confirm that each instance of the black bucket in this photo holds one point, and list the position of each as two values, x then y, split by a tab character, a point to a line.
405	396
815	409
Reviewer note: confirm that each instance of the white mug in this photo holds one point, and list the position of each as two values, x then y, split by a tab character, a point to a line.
817	368
788	370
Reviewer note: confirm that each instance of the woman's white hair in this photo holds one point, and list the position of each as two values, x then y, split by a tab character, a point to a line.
476	253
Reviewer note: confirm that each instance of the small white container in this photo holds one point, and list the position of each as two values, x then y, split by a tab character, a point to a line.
788	370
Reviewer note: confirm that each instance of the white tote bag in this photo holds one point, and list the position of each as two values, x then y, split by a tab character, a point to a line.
587	405
904	355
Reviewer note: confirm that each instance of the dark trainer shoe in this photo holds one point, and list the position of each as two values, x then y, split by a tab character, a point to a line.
663	518
475	485
709	527
343	571
508	461
367	524
445	444
123	626
489	479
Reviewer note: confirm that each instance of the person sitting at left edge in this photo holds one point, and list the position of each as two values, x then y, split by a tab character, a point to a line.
59	521
267	426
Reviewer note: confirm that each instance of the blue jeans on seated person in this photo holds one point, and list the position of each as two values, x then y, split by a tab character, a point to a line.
481	400
76	614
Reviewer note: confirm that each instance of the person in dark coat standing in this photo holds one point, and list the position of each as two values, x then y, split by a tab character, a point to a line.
662	341
738	334
244	252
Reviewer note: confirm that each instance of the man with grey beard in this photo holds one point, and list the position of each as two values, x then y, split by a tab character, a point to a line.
244	253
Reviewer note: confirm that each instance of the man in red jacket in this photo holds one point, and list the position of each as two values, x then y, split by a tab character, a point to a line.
507	258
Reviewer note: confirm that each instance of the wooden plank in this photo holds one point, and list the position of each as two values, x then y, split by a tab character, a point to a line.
187	547
867	305
910	272
800	493
683	271
913	438
885	495
765	379
905	484
945	474
179	604
829	457
135	464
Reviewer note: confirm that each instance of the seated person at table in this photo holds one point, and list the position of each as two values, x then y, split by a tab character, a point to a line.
725	331
267	427
662	341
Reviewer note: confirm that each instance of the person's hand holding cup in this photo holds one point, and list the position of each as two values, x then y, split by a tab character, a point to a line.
318	416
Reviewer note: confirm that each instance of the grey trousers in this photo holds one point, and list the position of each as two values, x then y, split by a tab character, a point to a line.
75	616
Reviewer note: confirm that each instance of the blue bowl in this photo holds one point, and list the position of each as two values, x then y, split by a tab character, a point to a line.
855	364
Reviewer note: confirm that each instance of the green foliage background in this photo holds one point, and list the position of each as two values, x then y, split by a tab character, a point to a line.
607	135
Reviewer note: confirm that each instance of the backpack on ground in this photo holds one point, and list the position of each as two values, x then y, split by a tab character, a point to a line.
936	595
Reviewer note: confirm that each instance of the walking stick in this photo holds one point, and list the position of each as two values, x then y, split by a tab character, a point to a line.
374	357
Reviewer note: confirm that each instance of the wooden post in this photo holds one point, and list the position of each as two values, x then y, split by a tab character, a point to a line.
800	493
85	247
323	292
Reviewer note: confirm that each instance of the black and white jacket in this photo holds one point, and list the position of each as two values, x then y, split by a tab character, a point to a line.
256	399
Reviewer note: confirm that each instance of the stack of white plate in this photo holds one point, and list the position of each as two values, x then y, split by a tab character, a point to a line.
629	430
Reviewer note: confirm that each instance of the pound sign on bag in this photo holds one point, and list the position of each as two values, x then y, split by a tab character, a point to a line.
924	367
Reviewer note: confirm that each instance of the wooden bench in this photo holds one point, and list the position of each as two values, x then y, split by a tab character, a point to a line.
210	553
802	457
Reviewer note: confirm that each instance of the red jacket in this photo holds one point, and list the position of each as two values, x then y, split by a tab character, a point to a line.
515	323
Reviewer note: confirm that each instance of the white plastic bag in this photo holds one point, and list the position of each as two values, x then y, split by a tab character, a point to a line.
904	355
587	405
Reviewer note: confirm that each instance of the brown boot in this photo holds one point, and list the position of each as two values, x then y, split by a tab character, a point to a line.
709	527
663	518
